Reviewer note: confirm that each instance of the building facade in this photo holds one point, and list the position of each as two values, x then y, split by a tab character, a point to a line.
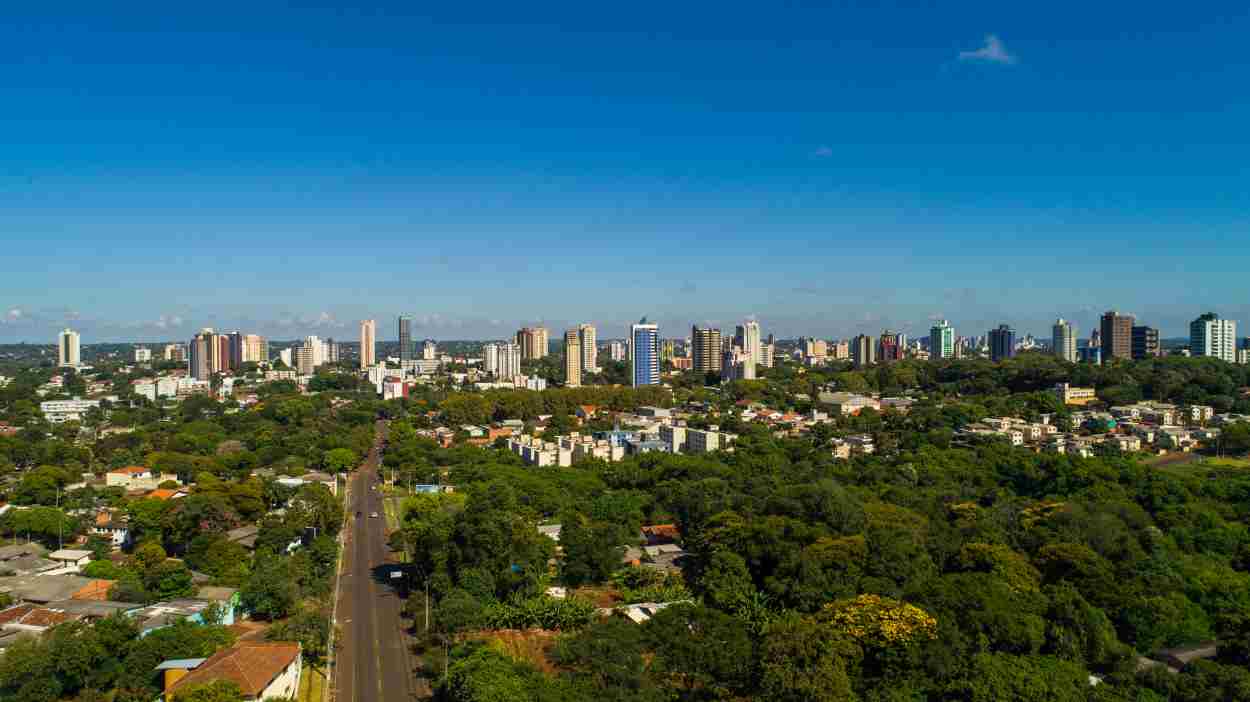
368	343
587	338
533	342
204	354
1145	342
941	341
69	349
572	359
1213	337
889	347
863	351
405	339
1002	343
644	353
705	349
1063	340
1116	337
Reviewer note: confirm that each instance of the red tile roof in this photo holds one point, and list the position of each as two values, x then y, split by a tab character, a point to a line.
129	470
252	665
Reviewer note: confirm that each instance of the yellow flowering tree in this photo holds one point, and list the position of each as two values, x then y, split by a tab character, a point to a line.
880	622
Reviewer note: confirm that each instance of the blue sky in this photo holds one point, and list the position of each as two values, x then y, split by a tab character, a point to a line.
829	168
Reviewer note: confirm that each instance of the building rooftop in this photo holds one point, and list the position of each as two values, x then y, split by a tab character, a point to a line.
48	588
252	665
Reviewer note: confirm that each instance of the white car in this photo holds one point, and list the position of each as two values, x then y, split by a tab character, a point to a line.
373	515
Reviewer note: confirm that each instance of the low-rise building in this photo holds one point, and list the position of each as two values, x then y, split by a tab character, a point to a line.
708	440
112	526
57	411
261	669
133	478
848	403
1072	395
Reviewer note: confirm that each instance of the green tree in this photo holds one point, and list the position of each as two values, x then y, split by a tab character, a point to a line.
216	691
804	660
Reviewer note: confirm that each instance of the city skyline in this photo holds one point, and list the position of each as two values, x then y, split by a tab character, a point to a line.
432	327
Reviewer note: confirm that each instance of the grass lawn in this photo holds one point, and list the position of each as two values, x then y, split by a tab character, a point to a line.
312	685
1226	463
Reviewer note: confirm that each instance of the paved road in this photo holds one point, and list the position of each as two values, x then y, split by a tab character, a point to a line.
374	660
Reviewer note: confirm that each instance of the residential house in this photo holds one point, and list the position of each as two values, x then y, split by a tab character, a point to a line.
33	619
132	478
163	614
261	670
71	558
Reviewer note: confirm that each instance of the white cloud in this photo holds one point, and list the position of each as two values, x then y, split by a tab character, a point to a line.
822	152
992	51
12	316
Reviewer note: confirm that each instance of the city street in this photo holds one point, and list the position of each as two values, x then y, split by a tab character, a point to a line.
374	656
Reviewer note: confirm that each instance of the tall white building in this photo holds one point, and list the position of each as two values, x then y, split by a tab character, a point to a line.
942	341
429	350
490	358
572	358
1063	340
587	337
68	350
616	350
509	361
644	353
305	358
737	365
1211	336
368	343
143	354
748	338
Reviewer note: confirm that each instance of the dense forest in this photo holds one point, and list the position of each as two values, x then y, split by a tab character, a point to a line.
936	572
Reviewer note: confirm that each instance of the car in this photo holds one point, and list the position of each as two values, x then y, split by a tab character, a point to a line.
373	515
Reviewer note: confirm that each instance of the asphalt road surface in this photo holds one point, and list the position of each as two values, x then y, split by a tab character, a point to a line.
374	661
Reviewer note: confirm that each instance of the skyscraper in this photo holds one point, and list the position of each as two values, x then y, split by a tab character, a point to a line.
889	347
616	350
509	361
405	339
533	342
1002	343
69	349
368	343
863	351
748	339
737	365
1063	340
305	358
255	348
587	337
203	351
705	349
1145	343
490	358
1213	337
234	349
941	341
572	359
429	350
645	353
1116	337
